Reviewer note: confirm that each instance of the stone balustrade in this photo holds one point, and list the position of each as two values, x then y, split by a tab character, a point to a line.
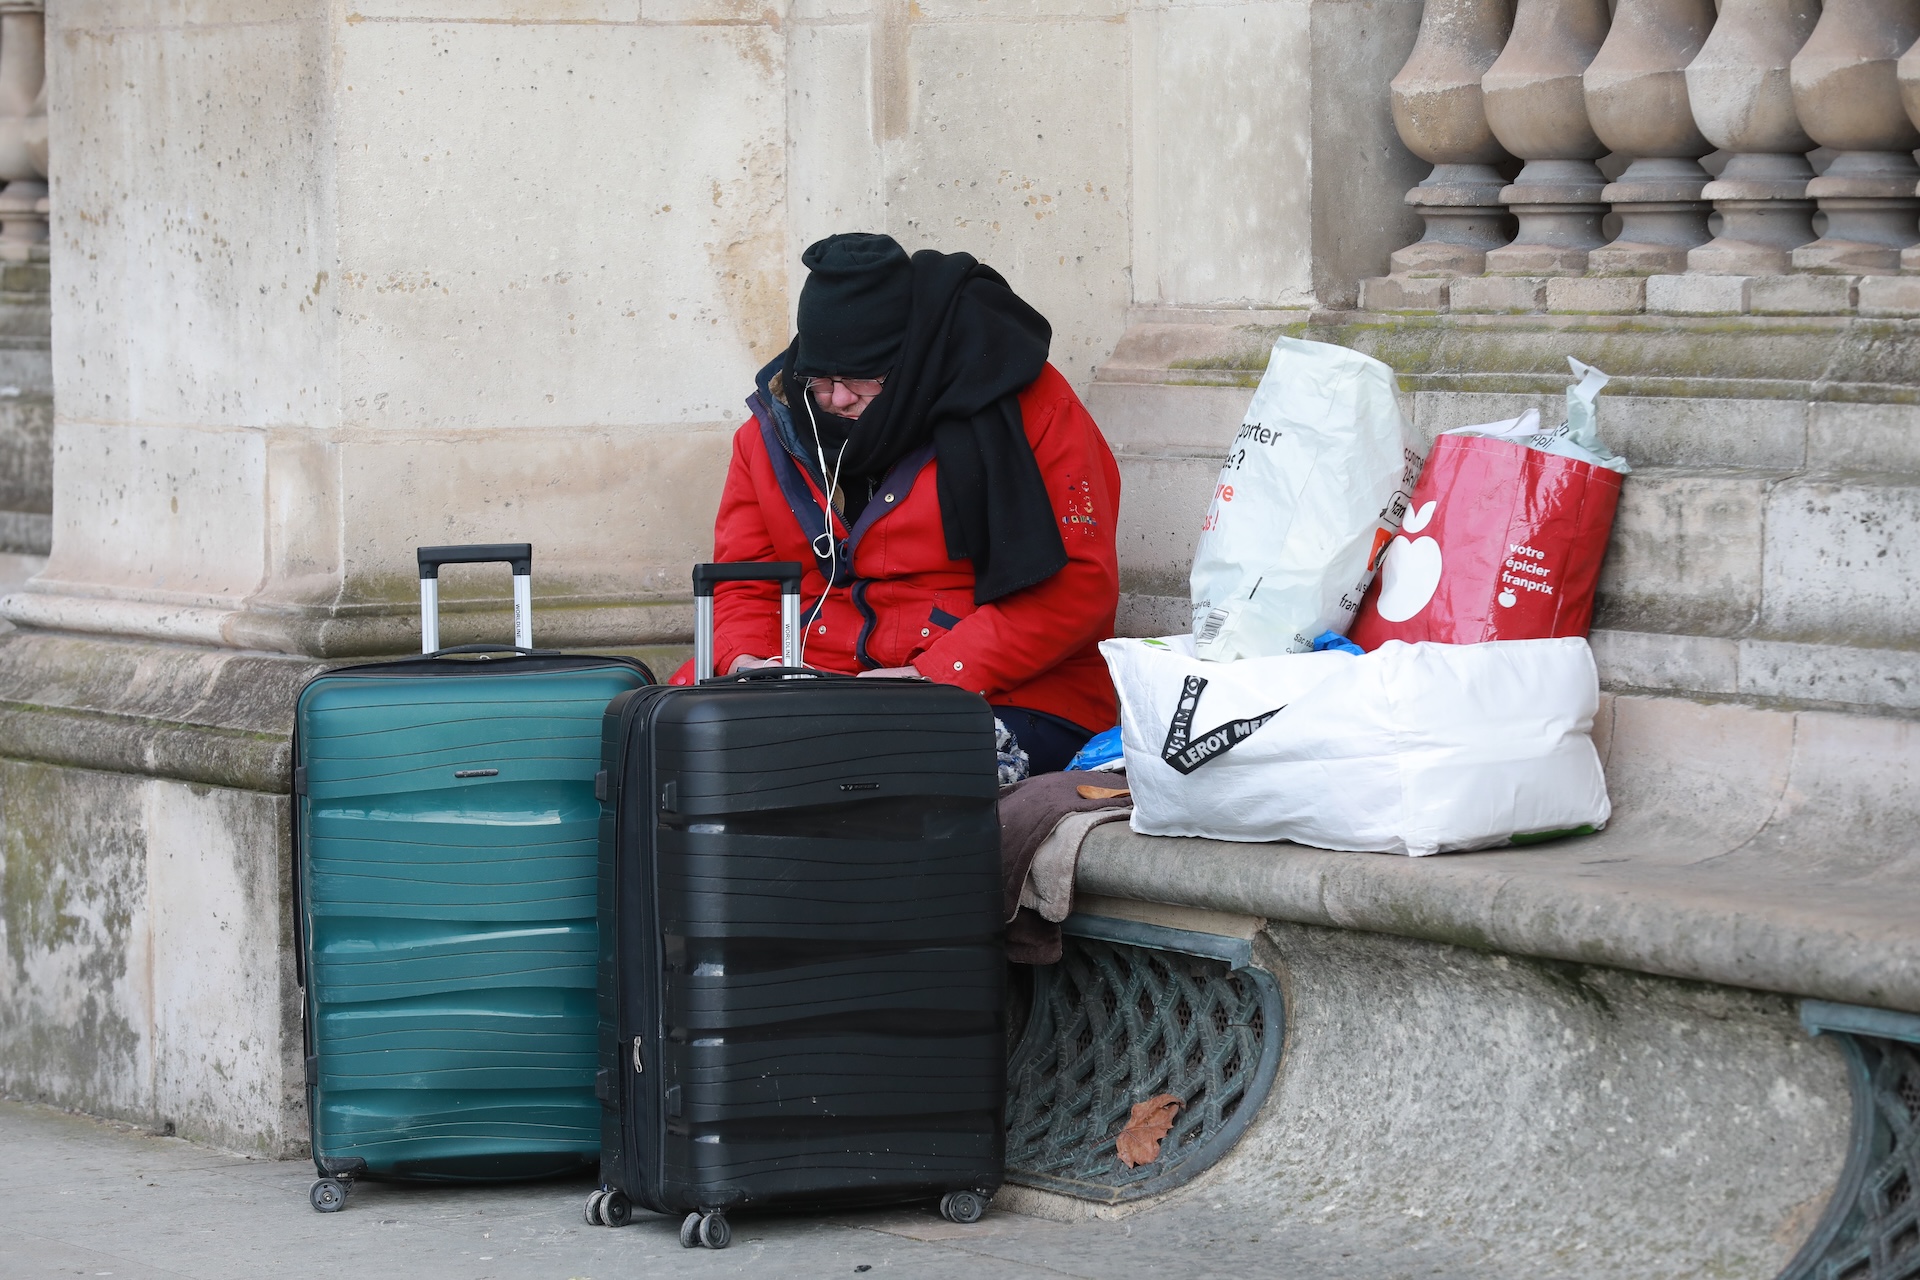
1662	156
23	131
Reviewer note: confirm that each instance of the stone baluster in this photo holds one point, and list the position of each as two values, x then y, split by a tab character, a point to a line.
1907	70
1438	110
1637	100
1848	98
1743	102
23	130
1536	107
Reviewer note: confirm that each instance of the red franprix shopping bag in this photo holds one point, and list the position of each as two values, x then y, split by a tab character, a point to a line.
1501	542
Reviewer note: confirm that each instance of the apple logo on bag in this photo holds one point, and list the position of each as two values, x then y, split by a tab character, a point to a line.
1411	573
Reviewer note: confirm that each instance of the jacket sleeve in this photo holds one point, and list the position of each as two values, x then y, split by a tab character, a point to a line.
1004	644
746	615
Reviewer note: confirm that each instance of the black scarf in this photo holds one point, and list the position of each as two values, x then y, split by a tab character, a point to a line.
971	346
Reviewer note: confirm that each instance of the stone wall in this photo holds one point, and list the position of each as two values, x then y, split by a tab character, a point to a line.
434	275
330	284
146	965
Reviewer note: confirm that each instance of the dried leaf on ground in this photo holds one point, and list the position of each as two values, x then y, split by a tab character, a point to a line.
1139	1142
1087	791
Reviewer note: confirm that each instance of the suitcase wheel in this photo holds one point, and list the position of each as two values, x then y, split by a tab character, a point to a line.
609	1207
963	1207
709	1229
328	1195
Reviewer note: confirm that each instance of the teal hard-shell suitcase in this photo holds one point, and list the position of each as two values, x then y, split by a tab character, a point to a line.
446	840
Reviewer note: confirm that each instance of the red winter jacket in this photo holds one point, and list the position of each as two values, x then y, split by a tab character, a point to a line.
903	602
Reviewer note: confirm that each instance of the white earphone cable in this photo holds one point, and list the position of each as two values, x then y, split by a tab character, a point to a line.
826	511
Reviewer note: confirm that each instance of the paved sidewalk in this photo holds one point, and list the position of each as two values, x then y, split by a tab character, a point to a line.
83	1197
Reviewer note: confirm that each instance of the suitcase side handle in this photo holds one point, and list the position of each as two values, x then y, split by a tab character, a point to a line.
706	576
518	555
515	649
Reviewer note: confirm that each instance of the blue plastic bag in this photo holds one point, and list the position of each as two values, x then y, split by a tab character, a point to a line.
1334	640
1102	749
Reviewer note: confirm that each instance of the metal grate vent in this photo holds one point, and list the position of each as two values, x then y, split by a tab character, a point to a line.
1879	1236
1112	1025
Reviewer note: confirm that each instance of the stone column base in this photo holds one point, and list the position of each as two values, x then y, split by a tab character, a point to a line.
1829	256
1868	197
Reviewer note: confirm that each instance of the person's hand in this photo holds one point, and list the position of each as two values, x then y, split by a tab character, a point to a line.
898	673
744	663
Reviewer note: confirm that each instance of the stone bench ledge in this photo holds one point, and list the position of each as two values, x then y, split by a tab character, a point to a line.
1750	846
1606	899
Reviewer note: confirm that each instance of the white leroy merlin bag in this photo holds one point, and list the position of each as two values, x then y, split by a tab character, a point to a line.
1413	748
1312	489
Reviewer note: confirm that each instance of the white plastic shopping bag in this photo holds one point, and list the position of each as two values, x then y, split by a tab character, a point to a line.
1313	486
1413	748
1577	438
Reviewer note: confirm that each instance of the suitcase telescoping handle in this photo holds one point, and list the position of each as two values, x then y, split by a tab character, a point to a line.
784	572
517	554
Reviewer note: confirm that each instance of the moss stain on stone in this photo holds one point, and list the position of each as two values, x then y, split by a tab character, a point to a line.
35	895
1576	981
71	887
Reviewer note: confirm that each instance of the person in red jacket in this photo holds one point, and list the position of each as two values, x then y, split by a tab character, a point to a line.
951	499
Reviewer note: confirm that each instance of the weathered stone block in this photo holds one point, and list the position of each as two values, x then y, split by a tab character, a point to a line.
1851	810
1404	293
1875	679
26	453
226	336
147	975
1697	295
1229	221
1695	777
1648	660
1499	293
27	280
1878	678
830	121
1496	1043
526	12
1050	201
1841	561
1890	296
1685	554
1672	431
1863	437
558	489
1610	295
1141	417
549	337
1804	295
1166	499
25	533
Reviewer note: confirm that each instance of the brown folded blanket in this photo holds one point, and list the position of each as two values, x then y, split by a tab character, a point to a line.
1029	811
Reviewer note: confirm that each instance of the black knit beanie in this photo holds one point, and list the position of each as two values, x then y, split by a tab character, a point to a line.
854	305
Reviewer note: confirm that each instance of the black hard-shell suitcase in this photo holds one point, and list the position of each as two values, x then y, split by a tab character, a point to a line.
802	980
445	831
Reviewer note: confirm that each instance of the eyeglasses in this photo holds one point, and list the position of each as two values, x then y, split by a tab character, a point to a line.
862	387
